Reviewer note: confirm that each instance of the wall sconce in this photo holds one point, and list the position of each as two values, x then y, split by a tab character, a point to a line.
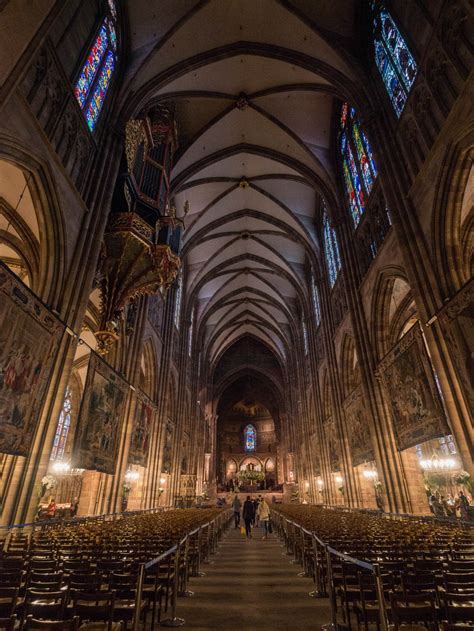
132	476
370	474
339	479
436	463
61	467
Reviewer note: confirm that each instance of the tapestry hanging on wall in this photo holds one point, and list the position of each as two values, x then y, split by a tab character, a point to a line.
100	420
29	341
330	431
416	404
457	322
315	453
141	430
358	430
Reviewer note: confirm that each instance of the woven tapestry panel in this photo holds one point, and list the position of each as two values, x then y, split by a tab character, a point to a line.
29	341
100	421
141	430
416	404
358	430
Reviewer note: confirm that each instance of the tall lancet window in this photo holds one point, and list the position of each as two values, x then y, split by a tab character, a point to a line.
96	75
178	300
305	337
358	165
394	60
190	334
331	250
316	302
62	429
250	438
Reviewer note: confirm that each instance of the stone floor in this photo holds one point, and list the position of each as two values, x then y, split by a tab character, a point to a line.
251	586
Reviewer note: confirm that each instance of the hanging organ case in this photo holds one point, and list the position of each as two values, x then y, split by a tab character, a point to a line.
140	252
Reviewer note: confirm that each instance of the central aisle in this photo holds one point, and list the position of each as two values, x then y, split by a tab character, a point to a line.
250	586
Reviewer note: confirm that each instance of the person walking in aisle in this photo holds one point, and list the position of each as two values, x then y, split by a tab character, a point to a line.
255	502
248	513
236	506
264	516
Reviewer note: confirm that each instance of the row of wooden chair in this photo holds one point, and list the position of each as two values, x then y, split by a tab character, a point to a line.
426	569
90	572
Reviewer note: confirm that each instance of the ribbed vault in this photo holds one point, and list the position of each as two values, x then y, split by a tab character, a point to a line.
255	86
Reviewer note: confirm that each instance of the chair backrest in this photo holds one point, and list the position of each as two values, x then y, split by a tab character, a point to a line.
459	607
8	624
8	596
33	624
94	605
413	609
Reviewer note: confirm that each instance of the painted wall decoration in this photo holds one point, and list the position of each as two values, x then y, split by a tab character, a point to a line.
29	340
457	322
141	430
409	380
100	419
358	430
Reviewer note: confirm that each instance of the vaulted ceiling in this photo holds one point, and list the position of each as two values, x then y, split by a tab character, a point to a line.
254	84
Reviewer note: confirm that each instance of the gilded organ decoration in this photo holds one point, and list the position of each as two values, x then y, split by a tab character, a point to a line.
141	246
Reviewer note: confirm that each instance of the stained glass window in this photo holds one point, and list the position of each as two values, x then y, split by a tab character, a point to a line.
89	71
93	83
190	335
358	165
316	302
331	250
250	438
96	102
177	304
305	337
393	58
113	10
62	430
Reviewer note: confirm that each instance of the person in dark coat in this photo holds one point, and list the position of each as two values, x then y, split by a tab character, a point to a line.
248	513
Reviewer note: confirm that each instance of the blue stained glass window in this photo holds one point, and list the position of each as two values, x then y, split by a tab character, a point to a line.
93	83
331	251
89	71
250	438
393	58
62	429
96	102
358	165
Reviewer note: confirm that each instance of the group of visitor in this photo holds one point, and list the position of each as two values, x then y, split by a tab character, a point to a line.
255	514
441	506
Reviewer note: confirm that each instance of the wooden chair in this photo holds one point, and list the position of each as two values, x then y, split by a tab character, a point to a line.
94	606
414	609
45	604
